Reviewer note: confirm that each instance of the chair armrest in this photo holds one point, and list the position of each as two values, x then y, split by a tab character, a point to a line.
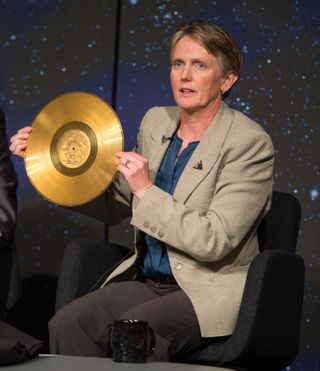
84	262
268	326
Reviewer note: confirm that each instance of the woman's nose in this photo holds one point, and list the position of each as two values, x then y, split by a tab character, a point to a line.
186	73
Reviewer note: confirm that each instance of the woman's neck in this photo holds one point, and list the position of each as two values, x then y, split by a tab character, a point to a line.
193	125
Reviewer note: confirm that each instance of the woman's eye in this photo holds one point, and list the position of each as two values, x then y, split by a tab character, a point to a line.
177	65
201	66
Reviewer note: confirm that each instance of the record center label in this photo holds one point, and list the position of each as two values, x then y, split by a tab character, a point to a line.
73	148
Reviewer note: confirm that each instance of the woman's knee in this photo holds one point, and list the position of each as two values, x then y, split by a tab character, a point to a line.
63	319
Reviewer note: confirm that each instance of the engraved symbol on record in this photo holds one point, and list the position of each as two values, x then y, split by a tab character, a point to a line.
73	148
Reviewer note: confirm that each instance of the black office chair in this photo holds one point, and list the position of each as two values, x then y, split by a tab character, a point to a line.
266	336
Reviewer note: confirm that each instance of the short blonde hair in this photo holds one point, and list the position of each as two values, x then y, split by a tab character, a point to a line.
216	41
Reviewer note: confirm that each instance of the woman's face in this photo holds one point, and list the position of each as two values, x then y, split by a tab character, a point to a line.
196	76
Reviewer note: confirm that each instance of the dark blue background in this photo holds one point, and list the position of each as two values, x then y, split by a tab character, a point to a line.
49	47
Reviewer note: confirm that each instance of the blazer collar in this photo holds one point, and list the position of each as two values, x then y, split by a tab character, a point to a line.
206	153
168	127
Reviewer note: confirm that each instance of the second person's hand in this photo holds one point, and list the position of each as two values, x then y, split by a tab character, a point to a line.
19	141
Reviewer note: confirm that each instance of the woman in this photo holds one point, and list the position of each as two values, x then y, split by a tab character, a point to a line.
197	185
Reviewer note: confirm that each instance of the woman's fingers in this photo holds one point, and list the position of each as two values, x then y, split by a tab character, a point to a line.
135	169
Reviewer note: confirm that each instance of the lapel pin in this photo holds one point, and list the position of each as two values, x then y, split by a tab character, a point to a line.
198	165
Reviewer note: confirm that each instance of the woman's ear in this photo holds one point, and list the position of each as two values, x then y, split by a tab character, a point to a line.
228	81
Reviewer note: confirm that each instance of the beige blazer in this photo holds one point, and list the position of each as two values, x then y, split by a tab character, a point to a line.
209	224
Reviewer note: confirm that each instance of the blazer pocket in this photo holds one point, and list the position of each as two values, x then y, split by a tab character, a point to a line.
203	196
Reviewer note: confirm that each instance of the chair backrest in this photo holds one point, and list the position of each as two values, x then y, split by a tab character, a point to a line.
279	229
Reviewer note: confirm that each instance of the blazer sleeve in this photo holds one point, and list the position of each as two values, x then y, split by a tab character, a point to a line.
8	187
242	195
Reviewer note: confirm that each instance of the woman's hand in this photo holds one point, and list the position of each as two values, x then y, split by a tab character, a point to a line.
19	141
135	169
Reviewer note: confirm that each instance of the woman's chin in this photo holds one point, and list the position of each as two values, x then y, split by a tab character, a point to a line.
188	107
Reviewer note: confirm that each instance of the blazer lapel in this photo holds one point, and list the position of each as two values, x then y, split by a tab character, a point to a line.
160	141
205	155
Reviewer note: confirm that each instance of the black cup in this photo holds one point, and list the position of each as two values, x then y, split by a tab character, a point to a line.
132	341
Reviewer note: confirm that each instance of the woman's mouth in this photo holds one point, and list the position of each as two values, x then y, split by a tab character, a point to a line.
186	91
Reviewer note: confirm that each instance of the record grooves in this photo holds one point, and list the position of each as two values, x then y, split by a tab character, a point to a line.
70	157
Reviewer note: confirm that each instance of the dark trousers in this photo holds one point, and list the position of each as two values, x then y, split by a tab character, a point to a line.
84	326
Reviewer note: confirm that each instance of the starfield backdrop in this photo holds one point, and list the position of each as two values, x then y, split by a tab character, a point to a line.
119	50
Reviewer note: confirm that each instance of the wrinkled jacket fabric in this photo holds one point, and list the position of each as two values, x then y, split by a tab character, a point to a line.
10	285
8	187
